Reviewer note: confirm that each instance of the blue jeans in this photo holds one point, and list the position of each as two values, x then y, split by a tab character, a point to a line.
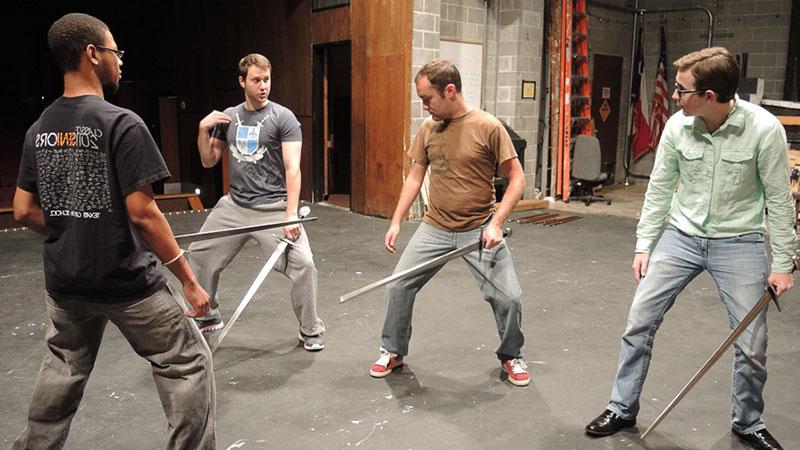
157	330
738	266
495	274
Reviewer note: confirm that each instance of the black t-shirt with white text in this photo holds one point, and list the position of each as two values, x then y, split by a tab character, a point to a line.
82	157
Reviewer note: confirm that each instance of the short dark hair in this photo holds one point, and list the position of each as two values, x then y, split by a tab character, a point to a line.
69	36
253	59
715	69
440	73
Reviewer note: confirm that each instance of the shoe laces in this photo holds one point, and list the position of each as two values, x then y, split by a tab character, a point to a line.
385	358
518	365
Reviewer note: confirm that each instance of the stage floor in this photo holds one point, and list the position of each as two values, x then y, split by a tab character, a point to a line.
272	394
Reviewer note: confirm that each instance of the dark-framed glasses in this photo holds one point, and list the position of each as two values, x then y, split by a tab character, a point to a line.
679	89
119	53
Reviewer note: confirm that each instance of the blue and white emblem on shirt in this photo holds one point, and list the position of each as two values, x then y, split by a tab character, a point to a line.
247	139
246	147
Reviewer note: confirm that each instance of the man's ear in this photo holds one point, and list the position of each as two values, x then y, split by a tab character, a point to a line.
91	52
450	90
241	81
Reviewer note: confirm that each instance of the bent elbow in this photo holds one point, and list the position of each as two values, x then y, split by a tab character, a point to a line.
21	215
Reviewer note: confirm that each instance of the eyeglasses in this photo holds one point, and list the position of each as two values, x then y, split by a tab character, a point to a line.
119	53
679	89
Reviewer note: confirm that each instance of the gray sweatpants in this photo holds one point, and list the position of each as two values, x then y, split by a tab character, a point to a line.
209	258
158	331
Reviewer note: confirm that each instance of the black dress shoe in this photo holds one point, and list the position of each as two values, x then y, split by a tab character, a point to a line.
760	439
608	423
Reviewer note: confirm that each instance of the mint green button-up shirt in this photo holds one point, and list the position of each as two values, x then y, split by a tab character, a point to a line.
717	185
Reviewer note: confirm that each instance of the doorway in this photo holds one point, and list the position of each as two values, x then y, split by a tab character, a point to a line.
606	93
332	121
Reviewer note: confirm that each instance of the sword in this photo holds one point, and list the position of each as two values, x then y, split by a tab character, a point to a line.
215	234
423	267
262	275
768	296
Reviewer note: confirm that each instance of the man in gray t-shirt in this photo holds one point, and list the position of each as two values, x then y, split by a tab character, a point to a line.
263	141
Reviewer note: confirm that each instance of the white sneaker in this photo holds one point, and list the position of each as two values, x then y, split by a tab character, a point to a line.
312	343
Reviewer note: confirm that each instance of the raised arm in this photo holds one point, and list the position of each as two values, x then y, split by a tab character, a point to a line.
210	148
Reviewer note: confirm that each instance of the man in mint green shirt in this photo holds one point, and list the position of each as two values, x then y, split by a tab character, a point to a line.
720	162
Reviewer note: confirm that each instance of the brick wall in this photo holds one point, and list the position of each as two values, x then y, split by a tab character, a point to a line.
758	27
519	25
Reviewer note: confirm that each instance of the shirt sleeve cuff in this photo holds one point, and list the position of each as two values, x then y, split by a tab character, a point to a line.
782	266
644	245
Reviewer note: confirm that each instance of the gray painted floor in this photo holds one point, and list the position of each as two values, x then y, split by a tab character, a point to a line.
273	394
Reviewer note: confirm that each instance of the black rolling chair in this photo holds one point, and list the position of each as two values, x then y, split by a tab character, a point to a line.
587	170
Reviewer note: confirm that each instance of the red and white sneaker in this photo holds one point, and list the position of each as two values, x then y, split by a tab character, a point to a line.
517	372
385	364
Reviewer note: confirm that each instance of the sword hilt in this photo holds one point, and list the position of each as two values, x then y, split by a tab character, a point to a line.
771	290
481	242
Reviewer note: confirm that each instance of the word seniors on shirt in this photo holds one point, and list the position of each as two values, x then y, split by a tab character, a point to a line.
73	173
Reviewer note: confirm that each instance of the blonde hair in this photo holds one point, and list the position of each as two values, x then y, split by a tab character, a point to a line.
253	59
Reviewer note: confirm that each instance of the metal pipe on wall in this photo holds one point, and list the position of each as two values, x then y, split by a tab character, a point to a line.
496	53
637	15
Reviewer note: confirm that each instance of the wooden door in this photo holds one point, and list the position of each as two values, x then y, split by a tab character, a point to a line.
606	94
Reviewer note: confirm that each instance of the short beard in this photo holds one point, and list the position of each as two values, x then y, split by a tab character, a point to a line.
110	87
109	81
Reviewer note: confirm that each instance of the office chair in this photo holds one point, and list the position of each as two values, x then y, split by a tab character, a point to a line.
587	170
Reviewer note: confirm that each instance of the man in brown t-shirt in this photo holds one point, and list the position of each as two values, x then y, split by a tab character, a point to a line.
462	146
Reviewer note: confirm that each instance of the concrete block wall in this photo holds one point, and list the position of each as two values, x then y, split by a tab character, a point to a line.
424	47
517	57
758	27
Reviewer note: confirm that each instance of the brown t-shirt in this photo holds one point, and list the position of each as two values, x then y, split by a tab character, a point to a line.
462	154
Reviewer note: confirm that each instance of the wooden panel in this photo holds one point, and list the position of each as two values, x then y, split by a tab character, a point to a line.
170	149
280	32
307	158
359	15
381	102
330	25
789	120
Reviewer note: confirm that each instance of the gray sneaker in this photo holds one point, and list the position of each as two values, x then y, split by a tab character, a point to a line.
209	325
312	343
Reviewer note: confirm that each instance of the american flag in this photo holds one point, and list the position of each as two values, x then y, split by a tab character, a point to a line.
659	110
640	130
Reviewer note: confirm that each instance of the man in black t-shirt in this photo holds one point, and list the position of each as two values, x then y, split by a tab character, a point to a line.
85	184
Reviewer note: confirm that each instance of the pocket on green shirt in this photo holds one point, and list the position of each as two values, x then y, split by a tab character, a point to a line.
735	164
691	164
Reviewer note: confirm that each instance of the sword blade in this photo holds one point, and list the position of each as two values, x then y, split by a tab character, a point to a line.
410	272
215	234
762	303
262	275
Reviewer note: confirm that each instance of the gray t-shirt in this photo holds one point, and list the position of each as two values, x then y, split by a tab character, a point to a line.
257	173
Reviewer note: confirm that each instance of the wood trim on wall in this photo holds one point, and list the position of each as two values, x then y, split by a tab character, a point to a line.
381	92
330	25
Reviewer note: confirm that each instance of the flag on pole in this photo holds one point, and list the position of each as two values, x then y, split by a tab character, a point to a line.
640	129
659	111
